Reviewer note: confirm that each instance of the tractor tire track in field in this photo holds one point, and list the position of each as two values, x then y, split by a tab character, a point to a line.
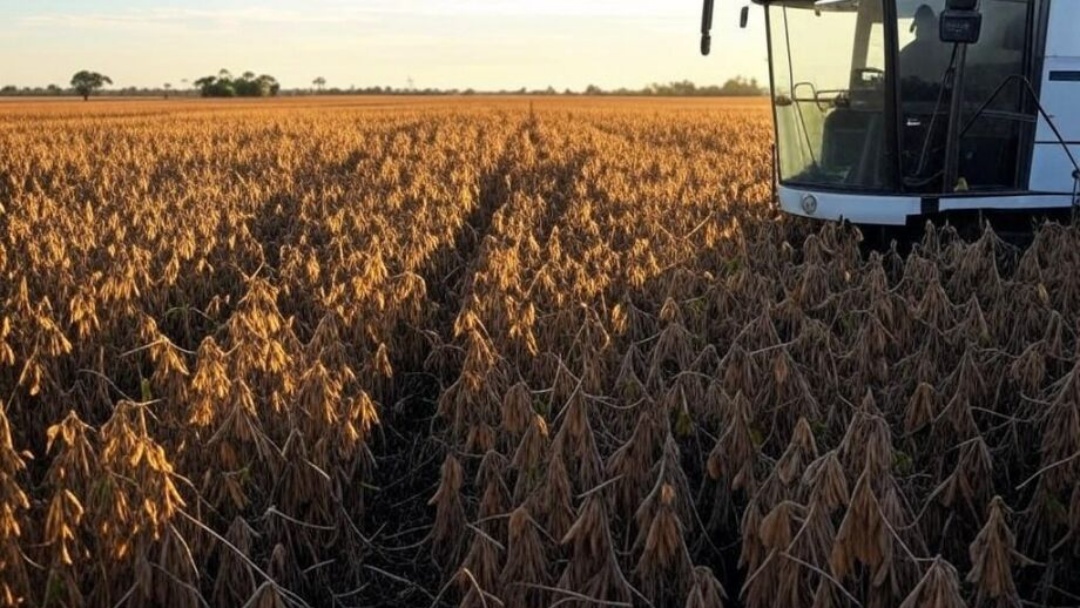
410	453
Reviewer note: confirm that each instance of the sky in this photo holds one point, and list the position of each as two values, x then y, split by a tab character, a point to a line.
481	44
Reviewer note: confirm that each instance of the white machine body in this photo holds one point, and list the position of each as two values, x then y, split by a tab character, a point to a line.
880	122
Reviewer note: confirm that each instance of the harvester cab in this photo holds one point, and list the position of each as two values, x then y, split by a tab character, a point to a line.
890	111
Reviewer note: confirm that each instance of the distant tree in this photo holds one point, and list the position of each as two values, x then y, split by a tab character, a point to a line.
86	82
592	89
52	89
246	86
319	83
207	85
168	87
268	85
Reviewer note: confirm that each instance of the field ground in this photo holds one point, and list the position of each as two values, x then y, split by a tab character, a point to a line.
508	352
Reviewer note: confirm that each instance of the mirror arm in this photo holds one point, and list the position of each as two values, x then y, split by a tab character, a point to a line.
706	27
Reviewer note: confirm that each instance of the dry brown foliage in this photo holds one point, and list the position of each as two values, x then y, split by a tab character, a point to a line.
993	557
14	502
406	352
939	588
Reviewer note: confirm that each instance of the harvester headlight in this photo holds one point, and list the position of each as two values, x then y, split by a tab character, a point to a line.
809	204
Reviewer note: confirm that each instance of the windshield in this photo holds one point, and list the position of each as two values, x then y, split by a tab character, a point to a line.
988	150
835	124
829	85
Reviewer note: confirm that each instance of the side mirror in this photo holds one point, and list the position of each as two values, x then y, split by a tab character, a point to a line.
706	27
960	27
744	17
961	22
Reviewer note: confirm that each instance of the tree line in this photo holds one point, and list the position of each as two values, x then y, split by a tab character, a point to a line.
246	85
224	85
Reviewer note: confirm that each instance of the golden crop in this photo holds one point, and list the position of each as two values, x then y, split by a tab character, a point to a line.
509	352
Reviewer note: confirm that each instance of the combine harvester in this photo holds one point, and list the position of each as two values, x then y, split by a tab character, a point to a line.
895	112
